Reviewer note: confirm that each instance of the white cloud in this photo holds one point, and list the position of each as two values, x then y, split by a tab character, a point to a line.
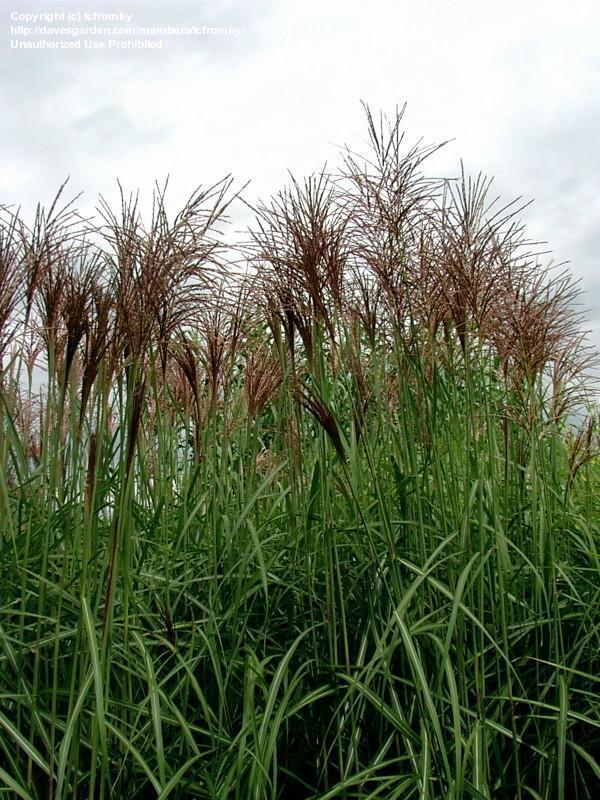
516	84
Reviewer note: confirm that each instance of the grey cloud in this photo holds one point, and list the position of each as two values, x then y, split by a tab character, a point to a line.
60	107
111	128
42	69
552	157
31	76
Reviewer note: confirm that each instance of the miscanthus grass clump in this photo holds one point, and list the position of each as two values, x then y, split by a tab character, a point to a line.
322	527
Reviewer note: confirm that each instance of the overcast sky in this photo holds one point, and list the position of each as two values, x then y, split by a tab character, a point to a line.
258	87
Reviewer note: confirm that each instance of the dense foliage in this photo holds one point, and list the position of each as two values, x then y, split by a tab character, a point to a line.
322	527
